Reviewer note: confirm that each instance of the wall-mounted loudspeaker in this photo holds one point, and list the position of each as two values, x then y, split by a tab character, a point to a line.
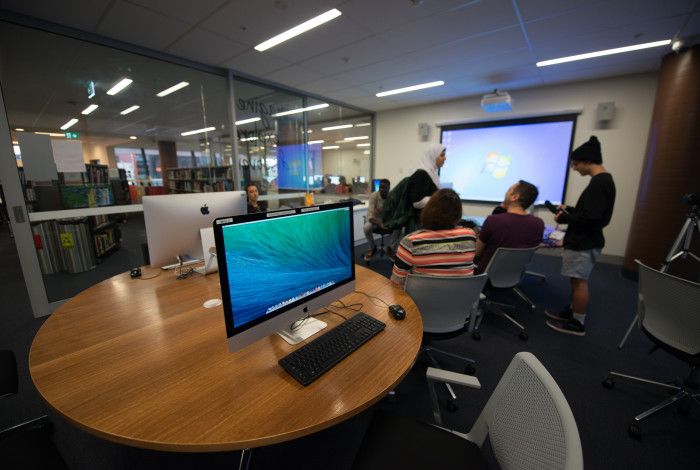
605	111
423	131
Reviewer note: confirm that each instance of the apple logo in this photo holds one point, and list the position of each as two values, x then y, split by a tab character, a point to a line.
204	210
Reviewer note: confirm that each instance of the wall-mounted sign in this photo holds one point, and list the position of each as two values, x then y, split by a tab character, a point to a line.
72	135
90	89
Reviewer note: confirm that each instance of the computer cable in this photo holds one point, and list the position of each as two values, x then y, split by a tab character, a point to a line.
372	298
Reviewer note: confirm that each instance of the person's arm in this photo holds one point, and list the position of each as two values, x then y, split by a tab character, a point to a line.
590	209
403	264
479	248
372	208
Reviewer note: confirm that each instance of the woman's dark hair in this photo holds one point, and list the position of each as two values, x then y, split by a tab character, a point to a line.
443	211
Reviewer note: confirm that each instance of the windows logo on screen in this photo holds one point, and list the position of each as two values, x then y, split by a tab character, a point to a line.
496	164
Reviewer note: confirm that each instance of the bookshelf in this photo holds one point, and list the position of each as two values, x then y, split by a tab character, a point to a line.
200	179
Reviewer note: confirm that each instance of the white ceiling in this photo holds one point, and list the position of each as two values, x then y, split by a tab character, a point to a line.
473	45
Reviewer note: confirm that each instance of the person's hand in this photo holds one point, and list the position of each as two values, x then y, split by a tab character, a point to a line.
561	207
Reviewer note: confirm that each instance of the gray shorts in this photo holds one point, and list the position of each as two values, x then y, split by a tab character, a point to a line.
578	264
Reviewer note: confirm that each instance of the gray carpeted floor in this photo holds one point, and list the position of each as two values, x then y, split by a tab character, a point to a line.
578	365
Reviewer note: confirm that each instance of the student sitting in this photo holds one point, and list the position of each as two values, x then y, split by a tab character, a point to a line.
514	228
440	248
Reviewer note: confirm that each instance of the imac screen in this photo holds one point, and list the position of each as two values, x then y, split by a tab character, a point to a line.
485	159
298	165
277	262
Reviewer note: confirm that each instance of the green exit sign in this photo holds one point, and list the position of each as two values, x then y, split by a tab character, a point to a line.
72	135
90	89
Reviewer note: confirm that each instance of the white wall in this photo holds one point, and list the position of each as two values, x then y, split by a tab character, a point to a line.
623	140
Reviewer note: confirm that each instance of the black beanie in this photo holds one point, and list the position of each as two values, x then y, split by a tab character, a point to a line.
588	152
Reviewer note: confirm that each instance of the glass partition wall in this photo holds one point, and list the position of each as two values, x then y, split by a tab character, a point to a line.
95	128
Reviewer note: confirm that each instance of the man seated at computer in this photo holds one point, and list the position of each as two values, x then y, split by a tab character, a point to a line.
251	190
374	219
440	248
514	228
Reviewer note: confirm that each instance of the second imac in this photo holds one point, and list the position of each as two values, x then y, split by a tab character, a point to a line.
173	222
278	267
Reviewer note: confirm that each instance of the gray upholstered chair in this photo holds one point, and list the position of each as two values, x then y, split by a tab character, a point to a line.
505	271
527	418
446	306
668	309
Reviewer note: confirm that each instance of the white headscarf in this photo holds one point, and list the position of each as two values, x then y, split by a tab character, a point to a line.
428	162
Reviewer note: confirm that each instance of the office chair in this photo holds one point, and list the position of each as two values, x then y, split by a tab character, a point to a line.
669	314
381	249
446	304
29	444
527	418
505	271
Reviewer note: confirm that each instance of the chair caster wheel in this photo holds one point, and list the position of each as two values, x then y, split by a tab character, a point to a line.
470	369
523	336
476	336
634	431
451	405
608	383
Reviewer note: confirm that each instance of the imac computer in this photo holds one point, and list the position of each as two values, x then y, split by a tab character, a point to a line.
278	267
173	222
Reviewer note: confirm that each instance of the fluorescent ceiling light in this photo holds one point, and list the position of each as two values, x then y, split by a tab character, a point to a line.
198	131
68	124
247	121
129	110
363	124
51	134
311	142
332	128
330	147
89	109
309	131
591	55
364	145
366	152
132	137
119	86
361	137
297	30
301	110
411	88
19	129
249	139
172	89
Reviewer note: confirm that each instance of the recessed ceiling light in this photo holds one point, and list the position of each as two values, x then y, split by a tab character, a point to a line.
297	30
361	137
247	121
132	137
330	147
364	145
312	142
301	110
591	55
130	110
198	131
411	88
333	128
89	109
676	45
51	134
19	129
249	139
119	86
68	124
172	89
363	124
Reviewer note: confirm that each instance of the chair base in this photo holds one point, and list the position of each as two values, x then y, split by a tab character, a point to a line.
429	352
498	309
684	393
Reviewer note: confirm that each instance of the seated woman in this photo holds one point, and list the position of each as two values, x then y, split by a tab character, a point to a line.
440	248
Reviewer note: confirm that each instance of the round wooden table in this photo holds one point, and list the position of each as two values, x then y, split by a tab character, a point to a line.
143	363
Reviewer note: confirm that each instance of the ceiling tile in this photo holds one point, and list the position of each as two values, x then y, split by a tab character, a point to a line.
202	46
183	10
140	29
537	9
293	75
80	14
255	63
358	54
325	85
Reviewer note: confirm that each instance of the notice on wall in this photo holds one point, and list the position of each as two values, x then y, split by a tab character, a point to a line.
68	155
36	157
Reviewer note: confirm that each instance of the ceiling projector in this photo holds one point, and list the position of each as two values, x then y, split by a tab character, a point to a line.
496	102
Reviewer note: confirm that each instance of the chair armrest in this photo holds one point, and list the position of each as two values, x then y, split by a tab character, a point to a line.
454	378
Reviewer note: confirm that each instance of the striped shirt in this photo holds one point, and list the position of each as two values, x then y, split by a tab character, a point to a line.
435	253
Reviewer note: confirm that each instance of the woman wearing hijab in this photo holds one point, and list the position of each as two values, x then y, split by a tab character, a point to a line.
425	181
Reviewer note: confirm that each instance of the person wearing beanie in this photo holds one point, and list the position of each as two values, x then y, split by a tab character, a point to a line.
584	238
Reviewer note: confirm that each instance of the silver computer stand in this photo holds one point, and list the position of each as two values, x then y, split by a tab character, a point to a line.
680	249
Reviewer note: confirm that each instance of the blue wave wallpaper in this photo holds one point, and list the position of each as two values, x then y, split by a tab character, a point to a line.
273	262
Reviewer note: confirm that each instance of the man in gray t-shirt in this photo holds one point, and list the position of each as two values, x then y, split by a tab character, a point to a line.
374	218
